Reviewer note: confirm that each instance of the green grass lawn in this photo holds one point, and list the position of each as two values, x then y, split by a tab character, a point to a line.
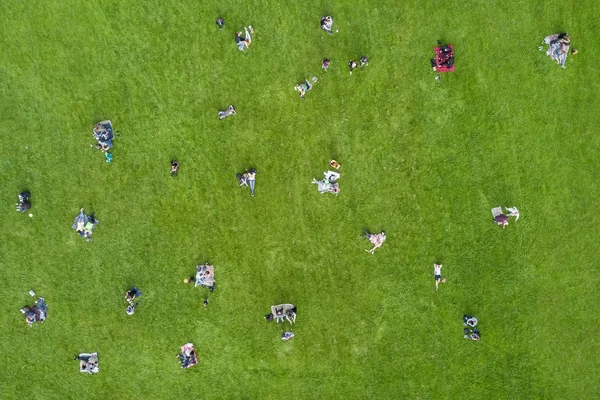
422	160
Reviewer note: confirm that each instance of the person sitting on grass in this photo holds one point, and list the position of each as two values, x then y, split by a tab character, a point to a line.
227	113
188	356
220	23
472	334
351	65
130	296
376	239
469	321
88	362
24	204
327	24
325	64
205	276
174	167
105	145
281	312
84	224
245	42
104	135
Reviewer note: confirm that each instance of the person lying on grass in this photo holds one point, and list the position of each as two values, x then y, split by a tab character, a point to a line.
242	179
329	183
437	273
302	88
252	180
376	239
227	113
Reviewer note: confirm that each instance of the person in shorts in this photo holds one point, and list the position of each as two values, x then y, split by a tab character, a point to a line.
437	273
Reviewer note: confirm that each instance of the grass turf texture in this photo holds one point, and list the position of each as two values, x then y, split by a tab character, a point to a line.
424	161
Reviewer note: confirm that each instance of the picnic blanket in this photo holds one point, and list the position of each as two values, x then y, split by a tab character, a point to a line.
558	48
443	58
88	362
202	278
103	131
188	356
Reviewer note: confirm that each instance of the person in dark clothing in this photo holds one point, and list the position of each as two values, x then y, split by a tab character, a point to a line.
174	167
352	64
501	220
325	64
364	61
24	204
220	23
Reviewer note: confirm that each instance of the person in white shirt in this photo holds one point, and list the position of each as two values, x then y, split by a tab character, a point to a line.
252	180
437	273
469	321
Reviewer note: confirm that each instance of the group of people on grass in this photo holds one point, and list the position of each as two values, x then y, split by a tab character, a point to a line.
307	85
282	313
204	277
36	312
559	47
84	224
248	179
501	218
104	135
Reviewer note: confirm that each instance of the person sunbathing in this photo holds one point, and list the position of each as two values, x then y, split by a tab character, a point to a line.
327	24
252	180
376	239
227	113
242	178
302	88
